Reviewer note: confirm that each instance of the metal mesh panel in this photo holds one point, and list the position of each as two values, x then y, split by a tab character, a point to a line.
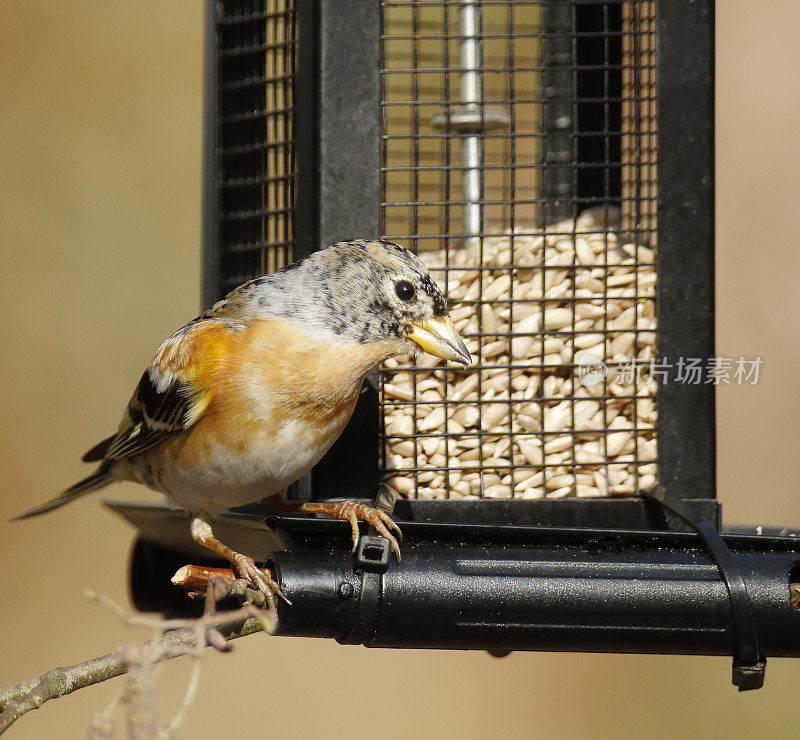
255	66
519	161
639	150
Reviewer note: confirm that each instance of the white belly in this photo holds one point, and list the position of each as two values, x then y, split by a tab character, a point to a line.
233	479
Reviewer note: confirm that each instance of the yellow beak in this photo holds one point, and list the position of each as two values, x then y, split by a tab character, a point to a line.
439	338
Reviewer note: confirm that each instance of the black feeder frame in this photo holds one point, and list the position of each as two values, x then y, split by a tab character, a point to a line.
295	159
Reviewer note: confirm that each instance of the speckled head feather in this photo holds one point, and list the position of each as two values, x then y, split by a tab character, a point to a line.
377	289
357	290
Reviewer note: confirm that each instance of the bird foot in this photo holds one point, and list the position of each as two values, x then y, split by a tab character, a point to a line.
245	566
352	512
258	580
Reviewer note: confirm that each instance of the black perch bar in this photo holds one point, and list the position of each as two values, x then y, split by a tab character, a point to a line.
627	593
505	588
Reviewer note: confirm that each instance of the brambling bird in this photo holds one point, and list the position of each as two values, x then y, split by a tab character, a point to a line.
248	397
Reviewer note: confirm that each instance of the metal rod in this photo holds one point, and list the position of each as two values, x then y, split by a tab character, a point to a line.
471	95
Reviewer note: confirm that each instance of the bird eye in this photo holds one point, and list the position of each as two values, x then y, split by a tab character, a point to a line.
405	290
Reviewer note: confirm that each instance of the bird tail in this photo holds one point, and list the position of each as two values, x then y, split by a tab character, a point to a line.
99	479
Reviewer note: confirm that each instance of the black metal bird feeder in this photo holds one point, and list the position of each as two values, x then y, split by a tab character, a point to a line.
552	161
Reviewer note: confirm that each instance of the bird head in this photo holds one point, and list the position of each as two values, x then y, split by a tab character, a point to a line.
380	291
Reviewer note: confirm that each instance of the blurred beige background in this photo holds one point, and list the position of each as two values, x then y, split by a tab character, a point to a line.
99	231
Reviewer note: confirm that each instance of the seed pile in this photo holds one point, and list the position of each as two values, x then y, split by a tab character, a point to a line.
559	401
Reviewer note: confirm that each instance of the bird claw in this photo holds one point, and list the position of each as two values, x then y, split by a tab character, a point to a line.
376	518
245	566
351	512
258	580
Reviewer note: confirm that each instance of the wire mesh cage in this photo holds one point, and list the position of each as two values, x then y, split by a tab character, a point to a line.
251	98
505	163
513	145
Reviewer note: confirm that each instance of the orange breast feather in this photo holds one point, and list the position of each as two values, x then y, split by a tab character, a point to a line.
274	371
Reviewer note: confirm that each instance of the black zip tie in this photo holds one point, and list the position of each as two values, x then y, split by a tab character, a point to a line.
748	665
371	559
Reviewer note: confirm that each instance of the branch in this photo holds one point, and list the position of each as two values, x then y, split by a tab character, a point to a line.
176	637
197	579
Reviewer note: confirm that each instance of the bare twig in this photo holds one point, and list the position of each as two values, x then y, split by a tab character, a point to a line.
201	640
17	700
171	638
197	579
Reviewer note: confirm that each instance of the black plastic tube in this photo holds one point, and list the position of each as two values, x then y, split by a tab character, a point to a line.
613	597
514	588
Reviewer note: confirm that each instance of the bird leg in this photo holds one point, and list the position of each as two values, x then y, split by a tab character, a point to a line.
349	511
245	566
